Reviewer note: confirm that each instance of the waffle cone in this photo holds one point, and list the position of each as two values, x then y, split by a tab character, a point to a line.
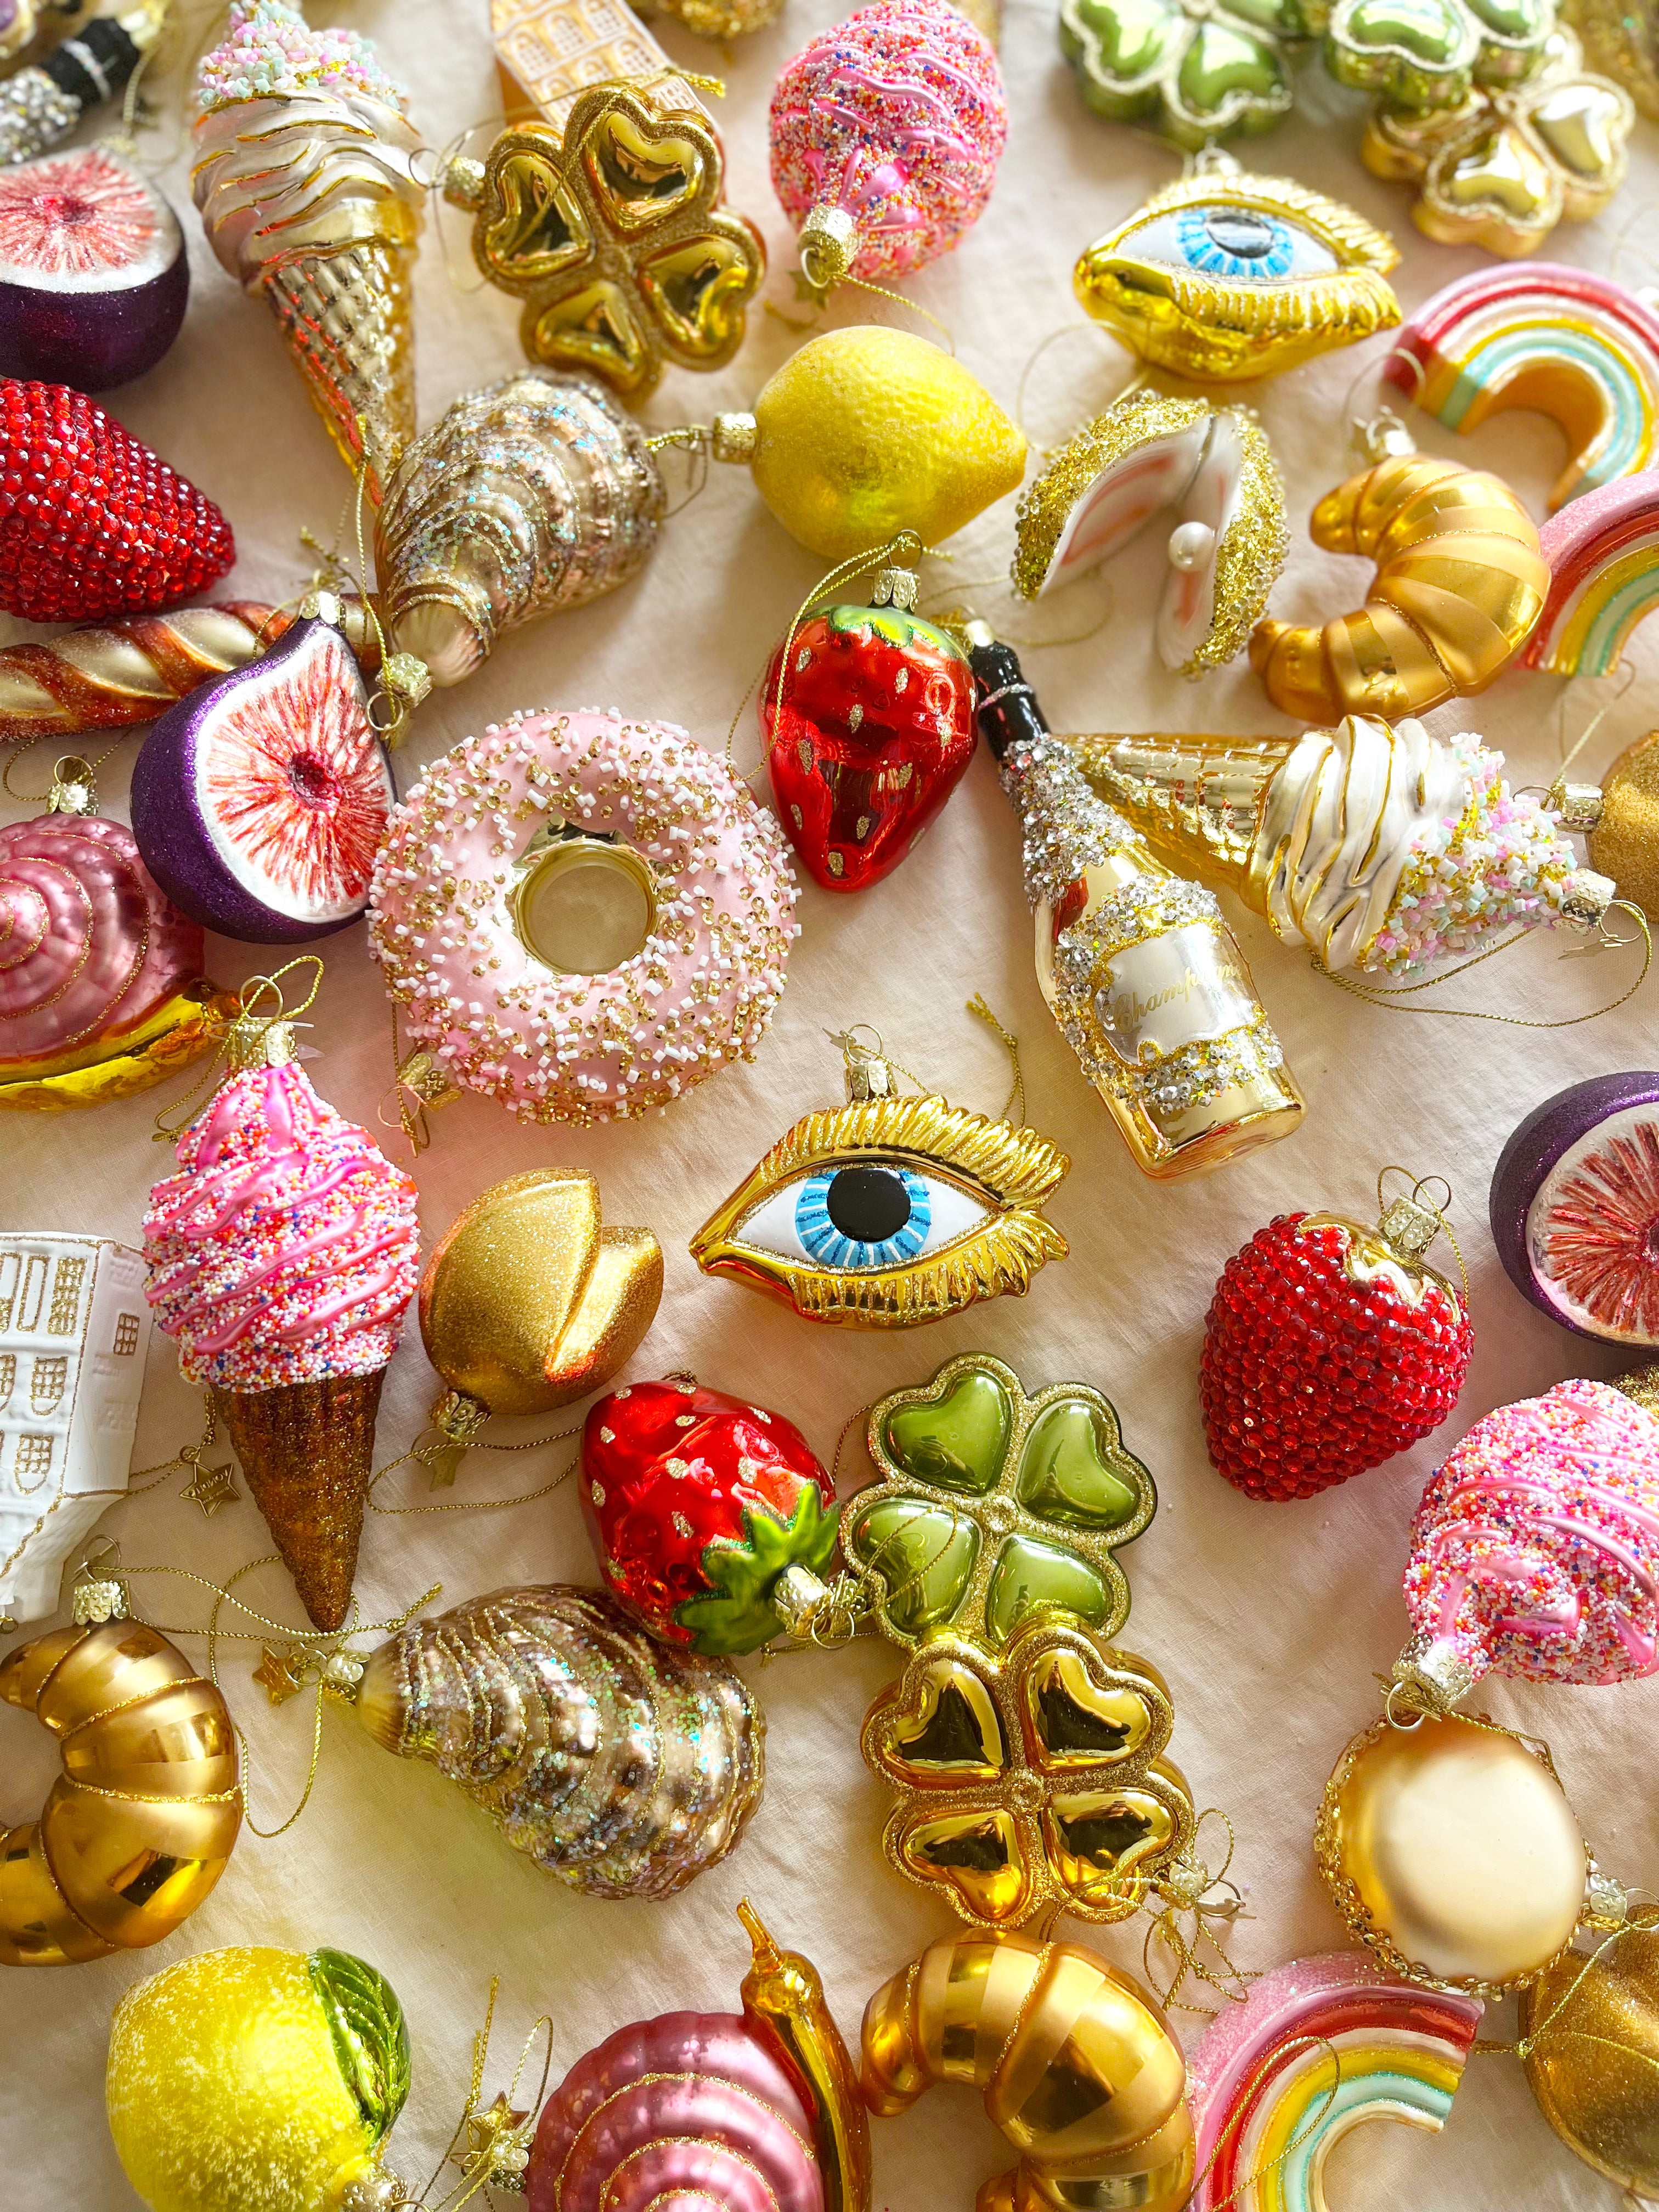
348	317
1199	801
308	1450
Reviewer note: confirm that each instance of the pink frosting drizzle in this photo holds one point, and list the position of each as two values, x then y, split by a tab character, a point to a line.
288	1248
1535	1549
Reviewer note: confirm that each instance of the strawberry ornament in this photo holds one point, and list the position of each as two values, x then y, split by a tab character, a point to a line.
1329	1347
869	714
699	1506
92	523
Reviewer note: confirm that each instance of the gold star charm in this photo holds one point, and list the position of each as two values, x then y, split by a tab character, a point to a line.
278	1672
211	1487
496	2146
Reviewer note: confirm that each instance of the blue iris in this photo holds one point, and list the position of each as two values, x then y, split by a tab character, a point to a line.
831	1247
1225	241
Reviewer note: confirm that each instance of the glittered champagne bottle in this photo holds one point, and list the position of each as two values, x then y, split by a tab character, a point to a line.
1142	974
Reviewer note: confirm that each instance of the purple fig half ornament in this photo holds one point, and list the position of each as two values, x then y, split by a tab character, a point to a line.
1575	1208
258	802
94	277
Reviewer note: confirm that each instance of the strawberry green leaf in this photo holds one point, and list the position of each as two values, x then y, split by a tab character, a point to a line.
738	1615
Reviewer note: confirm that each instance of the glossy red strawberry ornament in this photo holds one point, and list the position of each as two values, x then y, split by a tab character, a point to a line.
1329	1347
875	731
697	1504
92	523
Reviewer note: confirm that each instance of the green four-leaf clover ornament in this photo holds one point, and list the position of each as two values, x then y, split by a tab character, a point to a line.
1203	70
1430	54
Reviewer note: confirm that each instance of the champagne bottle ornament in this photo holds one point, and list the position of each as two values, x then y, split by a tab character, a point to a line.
1330	1347
88	64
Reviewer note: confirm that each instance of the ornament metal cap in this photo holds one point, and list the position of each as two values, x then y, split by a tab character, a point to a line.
72	791
257	1040
1586	896
829	239
896	587
733	437
1410	1228
1578	804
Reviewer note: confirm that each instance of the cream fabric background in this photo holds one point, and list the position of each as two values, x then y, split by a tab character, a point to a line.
1268	1621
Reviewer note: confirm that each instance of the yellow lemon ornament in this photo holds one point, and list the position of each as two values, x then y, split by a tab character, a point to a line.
258	2081
869	431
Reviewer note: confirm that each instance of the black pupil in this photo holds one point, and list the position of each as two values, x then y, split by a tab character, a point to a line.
869	1204
1236	230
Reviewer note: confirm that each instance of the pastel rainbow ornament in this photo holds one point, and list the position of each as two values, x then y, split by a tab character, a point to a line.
1569	343
1603	556
1320	2046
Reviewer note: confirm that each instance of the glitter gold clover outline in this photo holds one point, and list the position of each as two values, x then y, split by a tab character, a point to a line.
614	271
997	1512
1022	1788
1012	1169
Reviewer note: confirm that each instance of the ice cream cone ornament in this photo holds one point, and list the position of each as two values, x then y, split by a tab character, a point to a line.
283	1257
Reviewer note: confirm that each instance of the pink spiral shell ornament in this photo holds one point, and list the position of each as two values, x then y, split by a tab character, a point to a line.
1535	1549
885	132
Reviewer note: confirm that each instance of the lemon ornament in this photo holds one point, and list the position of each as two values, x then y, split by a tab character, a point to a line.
258	2081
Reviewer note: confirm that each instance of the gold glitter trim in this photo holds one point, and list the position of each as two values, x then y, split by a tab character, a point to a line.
1136	421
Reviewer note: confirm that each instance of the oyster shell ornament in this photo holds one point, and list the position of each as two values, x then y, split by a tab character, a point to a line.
1222	277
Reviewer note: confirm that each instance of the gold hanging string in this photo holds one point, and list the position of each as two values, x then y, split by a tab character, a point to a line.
418	1087
1420	1183
1360	424
422	1455
853	1602
858	1054
1185	1888
1302	2132
173	1118
1524	2046
499	2138
947	609
69	770
1556	796
977	1007
188	1455
1382	994
1138	376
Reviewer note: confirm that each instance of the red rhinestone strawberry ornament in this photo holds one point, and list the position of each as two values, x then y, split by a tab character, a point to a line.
700	1506
870	726
92	523
1329	1347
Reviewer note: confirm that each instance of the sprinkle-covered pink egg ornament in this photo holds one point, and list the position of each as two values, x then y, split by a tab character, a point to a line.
1575	1208
258	802
94	276
886	131
1535	1549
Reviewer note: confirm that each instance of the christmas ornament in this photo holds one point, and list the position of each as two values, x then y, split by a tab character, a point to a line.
1617	818
282	1256
1329	1348
1431	56
1224	276
1077	2065
1138	966
1146	456
1602	552
712	1519
635	902
888	1211
548	52
1509	164
885	135
259	801
620	248
1199	74
141	1821
1535	1552
258	2081
43	103
104	993
1575	1203
92	523
758	2110
73	1336
1460	583
1623	43
616	1763
108	675
1564	343
1319	2046
868	715
94	278
1591	2068
17	31
1381	849
304	176
1452	1852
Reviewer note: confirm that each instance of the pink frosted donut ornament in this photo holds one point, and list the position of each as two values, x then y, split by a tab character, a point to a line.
582	916
1535	1549
886	133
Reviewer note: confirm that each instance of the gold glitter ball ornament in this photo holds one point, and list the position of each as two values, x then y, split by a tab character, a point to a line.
1593	2066
1621	818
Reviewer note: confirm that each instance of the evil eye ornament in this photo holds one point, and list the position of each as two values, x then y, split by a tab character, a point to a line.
867	1216
1224	277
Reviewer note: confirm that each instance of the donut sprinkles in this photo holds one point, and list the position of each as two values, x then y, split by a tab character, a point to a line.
558	1045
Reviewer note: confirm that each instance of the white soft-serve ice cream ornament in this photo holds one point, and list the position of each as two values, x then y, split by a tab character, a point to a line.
1381	848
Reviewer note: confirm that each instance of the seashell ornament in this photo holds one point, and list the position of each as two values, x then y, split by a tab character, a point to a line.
620	1766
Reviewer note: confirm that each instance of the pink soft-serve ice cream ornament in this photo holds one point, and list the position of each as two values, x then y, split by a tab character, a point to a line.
283	1257
886	133
1535	1549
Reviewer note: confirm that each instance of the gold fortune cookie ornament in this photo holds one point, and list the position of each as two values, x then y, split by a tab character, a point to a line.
528	1304
1594	2065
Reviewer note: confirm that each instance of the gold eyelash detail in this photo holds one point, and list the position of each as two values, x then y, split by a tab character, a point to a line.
1016	1166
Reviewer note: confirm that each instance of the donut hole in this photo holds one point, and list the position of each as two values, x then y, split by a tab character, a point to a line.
584	905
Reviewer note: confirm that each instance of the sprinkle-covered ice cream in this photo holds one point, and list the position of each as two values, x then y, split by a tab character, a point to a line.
271	52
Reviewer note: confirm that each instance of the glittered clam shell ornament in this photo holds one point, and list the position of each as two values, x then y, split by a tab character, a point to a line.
618	1764
1207	470
1224	276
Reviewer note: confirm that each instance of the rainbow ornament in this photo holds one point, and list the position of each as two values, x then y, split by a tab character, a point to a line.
1564	343
1261	2085
1604	553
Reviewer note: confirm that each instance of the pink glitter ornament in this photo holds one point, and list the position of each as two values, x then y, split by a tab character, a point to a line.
1536	1550
885	136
